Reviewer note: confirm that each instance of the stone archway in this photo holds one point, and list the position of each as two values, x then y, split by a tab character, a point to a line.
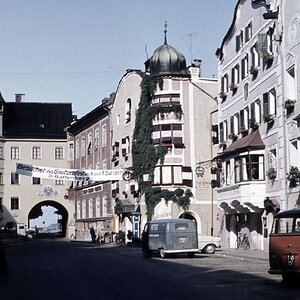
36	212
190	215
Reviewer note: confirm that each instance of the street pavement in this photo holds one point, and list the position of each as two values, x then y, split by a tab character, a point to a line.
58	269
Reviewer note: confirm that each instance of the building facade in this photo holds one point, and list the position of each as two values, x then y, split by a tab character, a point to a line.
34	134
290	68
251	123
89	149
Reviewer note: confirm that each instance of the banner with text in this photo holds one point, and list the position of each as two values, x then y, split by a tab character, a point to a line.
68	174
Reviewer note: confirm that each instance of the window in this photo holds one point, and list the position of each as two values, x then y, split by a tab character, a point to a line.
83	209
224	83
295	152
36	180
227	172
77	151
244	119
269	105
235	73
1	204
252	167
118	119
14	203
167	134
59	182
59	151
1	152
104	206
104	135
97	207
237	170
70	151
128	111
172	175
239	41
115	151
255	113
96	144
78	210
1	178
36	152
166	99
89	147
90	208
291	84
255	57
234	125
14	153
14	178
223	131
104	164
245	66
248	32
82	146
270	41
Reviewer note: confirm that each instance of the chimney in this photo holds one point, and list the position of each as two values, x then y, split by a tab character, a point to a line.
195	68
19	98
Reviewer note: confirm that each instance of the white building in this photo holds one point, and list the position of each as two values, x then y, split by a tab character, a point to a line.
251	123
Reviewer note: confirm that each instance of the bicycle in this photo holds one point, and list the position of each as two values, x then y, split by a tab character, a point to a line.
242	242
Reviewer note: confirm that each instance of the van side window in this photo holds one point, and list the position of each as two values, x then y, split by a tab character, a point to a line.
154	227
181	226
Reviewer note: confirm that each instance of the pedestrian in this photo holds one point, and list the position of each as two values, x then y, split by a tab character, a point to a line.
3	262
93	234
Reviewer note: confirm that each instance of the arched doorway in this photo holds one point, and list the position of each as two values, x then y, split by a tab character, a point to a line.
191	216
36	212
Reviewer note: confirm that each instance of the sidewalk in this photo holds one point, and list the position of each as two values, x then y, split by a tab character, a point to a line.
244	254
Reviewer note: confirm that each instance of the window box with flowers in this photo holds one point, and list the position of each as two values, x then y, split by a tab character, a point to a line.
233	87
268	57
253	124
253	70
232	136
268	118
223	95
222	144
243	130
271	173
294	175
289	104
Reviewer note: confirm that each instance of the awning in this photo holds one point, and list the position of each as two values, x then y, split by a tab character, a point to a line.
252	141
124	206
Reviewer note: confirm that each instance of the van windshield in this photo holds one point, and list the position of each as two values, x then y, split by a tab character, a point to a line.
286	225
181	226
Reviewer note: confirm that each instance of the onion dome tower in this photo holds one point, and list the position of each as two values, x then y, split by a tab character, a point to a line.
167	61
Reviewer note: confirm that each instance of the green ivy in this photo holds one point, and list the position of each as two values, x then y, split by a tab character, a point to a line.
145	156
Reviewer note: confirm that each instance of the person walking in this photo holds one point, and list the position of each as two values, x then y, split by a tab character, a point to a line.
93	234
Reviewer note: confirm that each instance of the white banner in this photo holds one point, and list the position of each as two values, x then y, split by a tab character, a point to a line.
68	174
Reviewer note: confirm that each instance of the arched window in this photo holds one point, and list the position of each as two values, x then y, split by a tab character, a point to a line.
128	111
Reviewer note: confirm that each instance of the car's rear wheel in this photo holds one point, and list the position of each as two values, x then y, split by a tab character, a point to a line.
209	249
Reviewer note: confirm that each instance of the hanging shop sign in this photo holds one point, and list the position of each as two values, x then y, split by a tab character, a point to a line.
68	174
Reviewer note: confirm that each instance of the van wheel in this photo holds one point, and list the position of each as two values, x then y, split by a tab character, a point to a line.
147	253
209	249
162	253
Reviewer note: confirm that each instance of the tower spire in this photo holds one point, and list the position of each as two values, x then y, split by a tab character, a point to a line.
165	31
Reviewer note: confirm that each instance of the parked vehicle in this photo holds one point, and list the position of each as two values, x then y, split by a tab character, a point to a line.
170	236
21	230
208	244
284	245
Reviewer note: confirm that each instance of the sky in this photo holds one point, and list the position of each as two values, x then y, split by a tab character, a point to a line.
76	51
